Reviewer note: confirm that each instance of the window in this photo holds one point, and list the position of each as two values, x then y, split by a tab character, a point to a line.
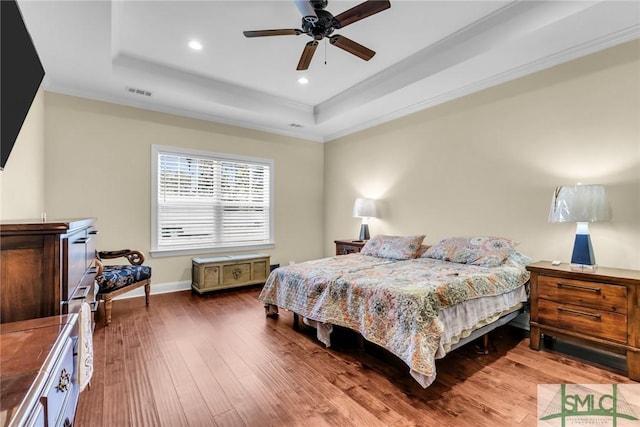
209	202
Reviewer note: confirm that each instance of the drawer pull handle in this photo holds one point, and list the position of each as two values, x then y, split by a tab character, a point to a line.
579	313
578	287
81	240
64	381
237	272
85	292
94	232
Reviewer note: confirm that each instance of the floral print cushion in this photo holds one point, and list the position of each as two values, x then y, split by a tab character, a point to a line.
115	277
484	251
393	247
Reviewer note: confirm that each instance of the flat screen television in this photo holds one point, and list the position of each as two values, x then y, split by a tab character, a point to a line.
21	73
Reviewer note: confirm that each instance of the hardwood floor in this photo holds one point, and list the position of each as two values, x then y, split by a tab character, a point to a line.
215	360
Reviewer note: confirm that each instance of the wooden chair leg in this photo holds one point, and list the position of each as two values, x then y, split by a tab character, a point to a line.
108	304
147	292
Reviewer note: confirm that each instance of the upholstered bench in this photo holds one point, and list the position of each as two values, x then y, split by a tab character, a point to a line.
114	280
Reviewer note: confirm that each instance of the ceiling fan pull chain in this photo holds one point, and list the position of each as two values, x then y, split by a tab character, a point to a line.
325	51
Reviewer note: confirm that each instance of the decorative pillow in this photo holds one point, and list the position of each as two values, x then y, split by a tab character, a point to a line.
484	251
394	247
517	259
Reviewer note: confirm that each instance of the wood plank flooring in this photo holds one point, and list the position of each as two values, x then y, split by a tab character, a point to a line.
215	360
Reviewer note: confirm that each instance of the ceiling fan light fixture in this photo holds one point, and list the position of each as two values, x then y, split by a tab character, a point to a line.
303	80
307	11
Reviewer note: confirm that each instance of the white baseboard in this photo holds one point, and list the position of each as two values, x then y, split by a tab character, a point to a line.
157	288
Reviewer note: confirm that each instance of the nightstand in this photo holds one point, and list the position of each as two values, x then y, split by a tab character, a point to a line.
598	309
344	247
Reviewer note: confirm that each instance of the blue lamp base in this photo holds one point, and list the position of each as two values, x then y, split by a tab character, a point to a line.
364	232
582	256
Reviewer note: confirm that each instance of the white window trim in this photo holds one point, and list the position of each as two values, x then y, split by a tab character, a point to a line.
155	252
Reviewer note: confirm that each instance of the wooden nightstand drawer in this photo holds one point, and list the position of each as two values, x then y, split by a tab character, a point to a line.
583	320
595	295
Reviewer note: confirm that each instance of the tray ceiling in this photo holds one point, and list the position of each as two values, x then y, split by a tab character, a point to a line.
427	52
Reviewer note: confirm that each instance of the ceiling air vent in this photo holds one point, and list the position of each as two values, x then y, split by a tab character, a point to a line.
138	91
295	125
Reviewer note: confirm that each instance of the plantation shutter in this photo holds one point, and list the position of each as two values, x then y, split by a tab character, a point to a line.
210	202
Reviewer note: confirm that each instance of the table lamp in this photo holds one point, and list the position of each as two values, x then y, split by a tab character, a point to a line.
365	209
581	204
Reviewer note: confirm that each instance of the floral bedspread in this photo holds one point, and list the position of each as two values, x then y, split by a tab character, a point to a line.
392	303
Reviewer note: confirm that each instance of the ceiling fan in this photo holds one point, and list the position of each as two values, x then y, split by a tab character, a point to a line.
319	23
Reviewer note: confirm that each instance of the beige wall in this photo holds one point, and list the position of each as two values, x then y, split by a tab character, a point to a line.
99	165
484	164
22	180
488	163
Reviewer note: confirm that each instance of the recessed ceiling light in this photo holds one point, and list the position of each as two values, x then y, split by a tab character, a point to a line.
303	80
195	45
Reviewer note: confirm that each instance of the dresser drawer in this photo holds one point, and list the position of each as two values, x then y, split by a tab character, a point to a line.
594	295
90	247
85	292
60	390
37	417
584	320
69	414
76	259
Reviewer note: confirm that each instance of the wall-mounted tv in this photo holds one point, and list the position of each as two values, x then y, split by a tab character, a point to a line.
21	73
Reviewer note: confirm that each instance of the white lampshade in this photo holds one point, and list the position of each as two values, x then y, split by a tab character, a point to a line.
365	208
580	203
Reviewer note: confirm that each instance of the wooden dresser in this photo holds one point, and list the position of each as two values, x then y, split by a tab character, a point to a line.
600	309
344	247
38	372
45	267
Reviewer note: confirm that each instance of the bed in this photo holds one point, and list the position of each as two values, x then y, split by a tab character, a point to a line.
418	303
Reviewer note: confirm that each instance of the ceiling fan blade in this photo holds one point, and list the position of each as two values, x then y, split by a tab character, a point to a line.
361	11
352	47
307	54
264	33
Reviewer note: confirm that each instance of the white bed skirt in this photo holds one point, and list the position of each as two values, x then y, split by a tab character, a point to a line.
459	322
